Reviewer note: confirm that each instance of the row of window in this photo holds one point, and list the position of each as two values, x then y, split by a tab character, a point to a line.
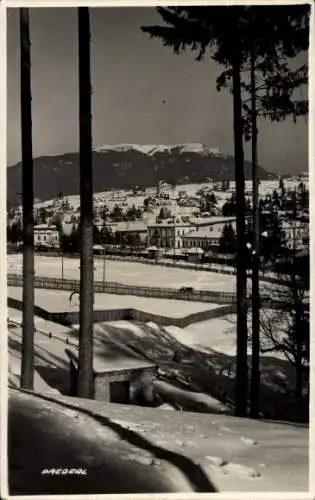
163	232
200	243
45	237
166	243
160	233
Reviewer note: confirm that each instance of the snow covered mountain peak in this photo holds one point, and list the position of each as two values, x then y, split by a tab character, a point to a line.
152	149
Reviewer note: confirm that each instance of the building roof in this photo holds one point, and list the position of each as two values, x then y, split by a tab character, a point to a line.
98	247
195	251
170	223
132	226
209	221
109	357
45	227
215	234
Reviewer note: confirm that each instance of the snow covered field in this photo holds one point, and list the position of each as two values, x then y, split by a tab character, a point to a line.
218	334
59	302
265	187
130	273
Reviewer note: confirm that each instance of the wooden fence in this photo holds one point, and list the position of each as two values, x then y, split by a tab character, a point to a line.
226	298
123	289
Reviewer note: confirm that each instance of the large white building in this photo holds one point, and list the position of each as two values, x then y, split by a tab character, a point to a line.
202	238
46	236
208	237
168	233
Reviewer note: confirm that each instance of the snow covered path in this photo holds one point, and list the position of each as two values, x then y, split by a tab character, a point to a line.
235	454
44	435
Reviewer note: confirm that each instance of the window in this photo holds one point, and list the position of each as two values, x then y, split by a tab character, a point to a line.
44	237
178	244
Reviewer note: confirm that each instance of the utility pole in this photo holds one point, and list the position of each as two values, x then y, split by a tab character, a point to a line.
255	371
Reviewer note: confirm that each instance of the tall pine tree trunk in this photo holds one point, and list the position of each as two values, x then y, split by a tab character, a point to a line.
255	372
27	365
85	369
241	276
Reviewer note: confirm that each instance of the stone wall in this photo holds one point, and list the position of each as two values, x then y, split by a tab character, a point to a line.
72	318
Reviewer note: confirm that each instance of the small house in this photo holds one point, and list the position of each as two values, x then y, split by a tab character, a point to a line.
119	374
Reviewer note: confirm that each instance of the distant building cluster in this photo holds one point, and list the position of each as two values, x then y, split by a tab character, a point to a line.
167	218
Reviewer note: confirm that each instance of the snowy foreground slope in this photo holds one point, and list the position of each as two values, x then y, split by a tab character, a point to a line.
153	450
196	364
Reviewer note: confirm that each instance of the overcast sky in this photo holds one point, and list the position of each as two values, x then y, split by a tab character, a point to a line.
131	77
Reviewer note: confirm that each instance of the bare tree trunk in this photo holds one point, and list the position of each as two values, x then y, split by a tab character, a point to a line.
241	275
255	371
27	365
85	370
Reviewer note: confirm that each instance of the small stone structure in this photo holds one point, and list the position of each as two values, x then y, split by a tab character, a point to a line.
120	376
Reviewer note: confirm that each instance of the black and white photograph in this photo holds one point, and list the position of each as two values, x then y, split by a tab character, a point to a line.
158	248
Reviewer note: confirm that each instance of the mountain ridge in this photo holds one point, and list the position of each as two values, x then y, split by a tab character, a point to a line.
123	166
151	149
